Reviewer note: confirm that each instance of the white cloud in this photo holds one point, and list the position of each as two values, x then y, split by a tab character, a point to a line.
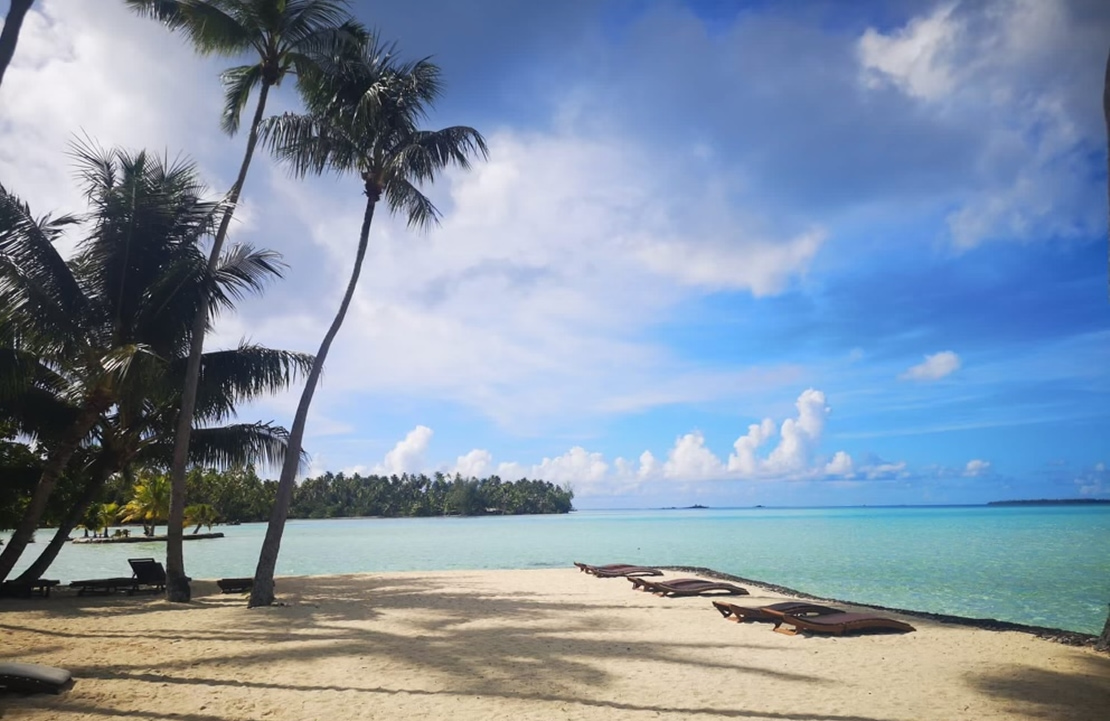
744	460
1000	64
691	460
912	57
407	455
934	367
976	467
475	464
840	465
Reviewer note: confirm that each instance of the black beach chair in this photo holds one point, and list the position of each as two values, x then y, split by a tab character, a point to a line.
149	575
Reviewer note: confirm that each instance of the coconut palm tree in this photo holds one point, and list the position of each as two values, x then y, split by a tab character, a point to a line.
364	110
283	33
103	322
1103	642
199	515
9	36
106	516
150	504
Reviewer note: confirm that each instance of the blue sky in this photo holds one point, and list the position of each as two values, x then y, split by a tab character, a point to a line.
728	253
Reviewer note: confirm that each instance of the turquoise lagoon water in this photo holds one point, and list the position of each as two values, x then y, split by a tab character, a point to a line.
1045	566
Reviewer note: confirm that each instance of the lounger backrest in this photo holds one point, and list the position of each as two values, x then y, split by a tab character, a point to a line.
147	570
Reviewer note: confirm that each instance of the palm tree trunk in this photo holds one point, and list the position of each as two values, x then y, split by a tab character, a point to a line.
262	594
10	34
47	481
98	475
1103	642
177	583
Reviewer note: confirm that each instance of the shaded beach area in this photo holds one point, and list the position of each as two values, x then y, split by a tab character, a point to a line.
530	644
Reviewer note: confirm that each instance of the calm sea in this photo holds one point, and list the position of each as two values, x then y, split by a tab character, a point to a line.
1045	566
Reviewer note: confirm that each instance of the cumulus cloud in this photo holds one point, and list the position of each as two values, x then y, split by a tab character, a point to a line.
407	455
934	367
976	467
690	460
912	57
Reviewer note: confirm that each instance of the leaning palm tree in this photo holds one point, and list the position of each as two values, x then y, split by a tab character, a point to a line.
103	322
284	33
9	36
364	110
150	504
1103	642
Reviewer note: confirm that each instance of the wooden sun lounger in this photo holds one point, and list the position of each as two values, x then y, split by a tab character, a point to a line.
772	613
627	572
643	584
587	568
673	590
33	678
20	589
235	585
104	585
150	575
840	623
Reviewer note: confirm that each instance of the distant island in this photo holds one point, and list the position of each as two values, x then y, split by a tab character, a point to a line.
1053	502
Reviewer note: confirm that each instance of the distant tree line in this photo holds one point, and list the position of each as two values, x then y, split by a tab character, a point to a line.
238	495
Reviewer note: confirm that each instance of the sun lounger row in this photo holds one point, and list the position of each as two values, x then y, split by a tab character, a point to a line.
687	587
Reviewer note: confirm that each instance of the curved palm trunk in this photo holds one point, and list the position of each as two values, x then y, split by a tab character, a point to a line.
1103	642
262	594
47	481
10	35
177	583
98	476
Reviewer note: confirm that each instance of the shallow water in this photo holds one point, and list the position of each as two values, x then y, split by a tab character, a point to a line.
1037	565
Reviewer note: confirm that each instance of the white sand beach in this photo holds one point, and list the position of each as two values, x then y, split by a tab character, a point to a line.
535	644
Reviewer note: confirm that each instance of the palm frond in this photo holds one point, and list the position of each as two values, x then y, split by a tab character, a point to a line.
239	444
238	83
240	374
243	270
210	25
405	198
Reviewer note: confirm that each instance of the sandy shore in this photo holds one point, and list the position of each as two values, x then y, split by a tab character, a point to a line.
542	644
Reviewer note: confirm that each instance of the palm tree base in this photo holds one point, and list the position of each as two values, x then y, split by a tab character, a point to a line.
178	589
1103	642
262	594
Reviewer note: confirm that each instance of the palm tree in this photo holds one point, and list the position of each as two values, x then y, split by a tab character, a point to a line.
1103	642
199	515
106	516
103	322
283	32
151	503
363	114
9	36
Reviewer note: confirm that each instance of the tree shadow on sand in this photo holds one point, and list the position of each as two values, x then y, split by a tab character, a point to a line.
446	634
1042	693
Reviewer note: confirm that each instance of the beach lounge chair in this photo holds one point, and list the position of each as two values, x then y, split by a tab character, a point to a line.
235	585
149	575
695	587
772	613
587	568
26	589
644	584
103	585
627	572
33	678
841	623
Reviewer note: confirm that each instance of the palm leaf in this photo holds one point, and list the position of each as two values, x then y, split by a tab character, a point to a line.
238	83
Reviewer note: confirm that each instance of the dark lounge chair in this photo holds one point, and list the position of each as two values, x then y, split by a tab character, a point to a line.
841	623
627	572
772	613
695	588
587	568
149	575
643	584
26	589
33	678
103	585
235	585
